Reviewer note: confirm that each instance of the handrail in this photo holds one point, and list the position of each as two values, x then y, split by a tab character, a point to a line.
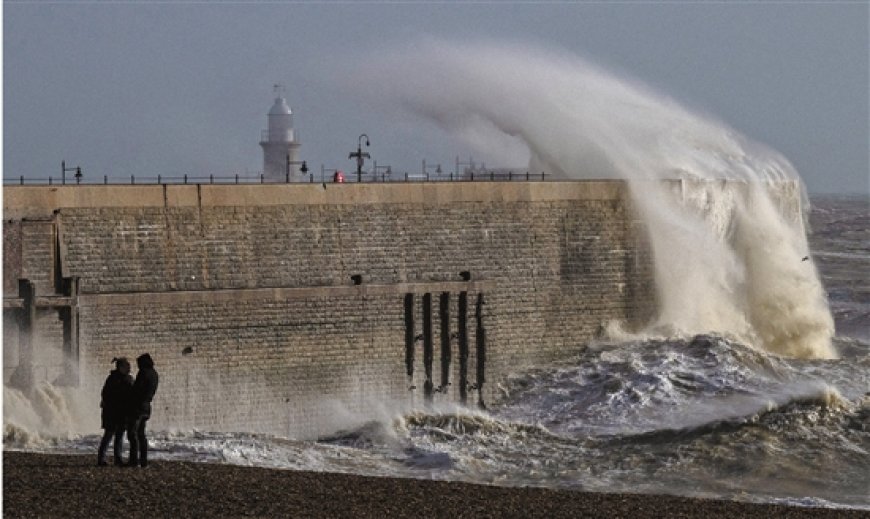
259	178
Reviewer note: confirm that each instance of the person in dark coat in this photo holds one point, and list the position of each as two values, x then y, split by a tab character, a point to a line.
115	402
140	410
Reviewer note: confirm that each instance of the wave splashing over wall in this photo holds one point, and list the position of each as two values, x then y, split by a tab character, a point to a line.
729	243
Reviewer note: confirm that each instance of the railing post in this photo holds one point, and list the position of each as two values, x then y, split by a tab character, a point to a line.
105	179
262	178
22	180
49	180
211	178
185	178
132	179
158	179
237	178
527	176
542	175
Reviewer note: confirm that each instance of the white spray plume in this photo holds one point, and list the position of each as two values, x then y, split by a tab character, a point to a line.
727	255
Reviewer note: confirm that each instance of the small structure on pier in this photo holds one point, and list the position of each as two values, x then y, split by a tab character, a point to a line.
280	147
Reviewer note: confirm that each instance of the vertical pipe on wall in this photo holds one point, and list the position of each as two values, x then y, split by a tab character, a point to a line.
409	338
463	346
444	317
480	337
427	346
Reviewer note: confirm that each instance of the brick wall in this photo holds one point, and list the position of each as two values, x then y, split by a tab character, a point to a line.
192	285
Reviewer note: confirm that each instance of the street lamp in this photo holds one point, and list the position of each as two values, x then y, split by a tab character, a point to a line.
360	156
64	169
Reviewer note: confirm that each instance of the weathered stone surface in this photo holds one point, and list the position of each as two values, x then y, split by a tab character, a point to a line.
552	270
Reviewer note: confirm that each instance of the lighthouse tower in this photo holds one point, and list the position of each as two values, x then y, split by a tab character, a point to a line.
280	149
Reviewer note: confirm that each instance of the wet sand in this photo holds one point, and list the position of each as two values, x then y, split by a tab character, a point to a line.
50	485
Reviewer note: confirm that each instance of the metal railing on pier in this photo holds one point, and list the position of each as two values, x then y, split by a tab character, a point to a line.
325	176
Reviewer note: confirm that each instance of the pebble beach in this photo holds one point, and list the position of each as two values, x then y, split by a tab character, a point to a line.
54	485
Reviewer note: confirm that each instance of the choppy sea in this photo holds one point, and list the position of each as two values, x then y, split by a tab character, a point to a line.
696	416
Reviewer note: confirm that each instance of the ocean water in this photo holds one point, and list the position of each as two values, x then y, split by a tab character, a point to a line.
700	415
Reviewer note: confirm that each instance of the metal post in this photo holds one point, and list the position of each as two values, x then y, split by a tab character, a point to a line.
106	179
63	172
158	178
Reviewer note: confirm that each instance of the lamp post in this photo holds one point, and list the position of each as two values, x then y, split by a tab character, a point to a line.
64	169
360	156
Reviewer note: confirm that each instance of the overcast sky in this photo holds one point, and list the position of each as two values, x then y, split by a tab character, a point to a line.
151	88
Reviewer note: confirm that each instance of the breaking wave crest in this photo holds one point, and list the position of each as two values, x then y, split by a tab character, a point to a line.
729	243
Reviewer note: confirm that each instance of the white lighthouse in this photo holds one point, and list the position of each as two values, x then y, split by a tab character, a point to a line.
280	149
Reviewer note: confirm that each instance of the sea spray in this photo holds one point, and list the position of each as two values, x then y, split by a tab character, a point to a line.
39	416
728	258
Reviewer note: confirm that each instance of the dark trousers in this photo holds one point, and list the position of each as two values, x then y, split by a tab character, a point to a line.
138	441
115	432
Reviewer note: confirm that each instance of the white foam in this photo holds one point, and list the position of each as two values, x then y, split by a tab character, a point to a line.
728	255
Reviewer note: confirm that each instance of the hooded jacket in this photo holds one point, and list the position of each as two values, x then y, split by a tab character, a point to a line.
144	387
115	398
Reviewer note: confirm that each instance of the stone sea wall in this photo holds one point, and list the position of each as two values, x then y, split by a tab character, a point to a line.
273	307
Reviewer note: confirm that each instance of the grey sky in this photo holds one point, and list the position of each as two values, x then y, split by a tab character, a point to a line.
173	88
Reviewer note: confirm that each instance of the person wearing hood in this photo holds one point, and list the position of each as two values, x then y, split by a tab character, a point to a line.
140	410
115	401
